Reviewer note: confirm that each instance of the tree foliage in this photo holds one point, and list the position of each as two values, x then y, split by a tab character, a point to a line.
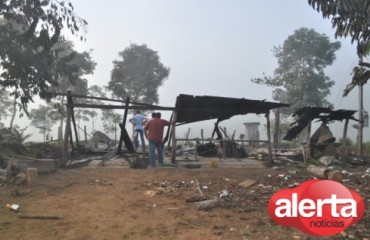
6	103
350	18
95	91
138	75
110	121
41	118
29	30
299	78
70	70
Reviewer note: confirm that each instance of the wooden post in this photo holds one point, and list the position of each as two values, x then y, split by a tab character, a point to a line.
270	160
173	136
344	147
277	128
32	176
67	134
196	149
85	132
345	129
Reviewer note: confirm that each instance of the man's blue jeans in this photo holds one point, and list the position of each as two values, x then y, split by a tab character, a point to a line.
155	145
136	140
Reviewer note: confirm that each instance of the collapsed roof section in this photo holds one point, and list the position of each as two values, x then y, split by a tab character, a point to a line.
199	108
306	115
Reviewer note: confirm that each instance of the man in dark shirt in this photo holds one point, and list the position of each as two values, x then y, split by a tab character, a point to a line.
154	134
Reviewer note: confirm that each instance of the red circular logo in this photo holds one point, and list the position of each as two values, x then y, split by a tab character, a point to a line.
317	207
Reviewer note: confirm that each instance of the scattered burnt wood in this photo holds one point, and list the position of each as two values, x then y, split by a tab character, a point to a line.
39	217
137	161
193	199
207	150
209	204
325	173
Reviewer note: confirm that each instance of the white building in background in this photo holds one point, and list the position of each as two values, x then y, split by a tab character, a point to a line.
252	133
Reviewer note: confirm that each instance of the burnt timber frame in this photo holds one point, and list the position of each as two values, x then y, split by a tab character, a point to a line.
306	115
124	137
188	109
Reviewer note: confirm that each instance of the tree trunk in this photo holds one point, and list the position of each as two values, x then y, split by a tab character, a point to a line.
13	114
61	120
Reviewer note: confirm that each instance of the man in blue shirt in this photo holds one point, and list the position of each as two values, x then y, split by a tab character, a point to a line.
137	120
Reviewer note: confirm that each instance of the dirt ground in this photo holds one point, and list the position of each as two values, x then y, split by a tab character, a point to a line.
117	202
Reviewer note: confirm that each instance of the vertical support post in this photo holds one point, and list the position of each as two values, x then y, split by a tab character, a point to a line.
173	136
308	151
85	132
345	129
277	128
344	152
196	149
270	160
361	123
67	133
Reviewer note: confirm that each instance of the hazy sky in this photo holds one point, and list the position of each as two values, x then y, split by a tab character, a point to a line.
213	47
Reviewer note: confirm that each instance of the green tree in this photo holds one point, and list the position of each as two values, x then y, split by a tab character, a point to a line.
5	103
299	78
29	31
41	119
71	67
95	91
110	122
138	75
20	133
350	18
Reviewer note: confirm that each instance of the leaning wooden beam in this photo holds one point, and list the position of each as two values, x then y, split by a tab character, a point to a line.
122	126
70	103
124	137
82	105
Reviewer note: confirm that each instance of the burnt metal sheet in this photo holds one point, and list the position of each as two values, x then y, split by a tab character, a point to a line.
307	114
198	108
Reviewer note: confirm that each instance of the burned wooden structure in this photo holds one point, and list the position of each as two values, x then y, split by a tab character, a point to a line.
306	115
124	136
188	109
